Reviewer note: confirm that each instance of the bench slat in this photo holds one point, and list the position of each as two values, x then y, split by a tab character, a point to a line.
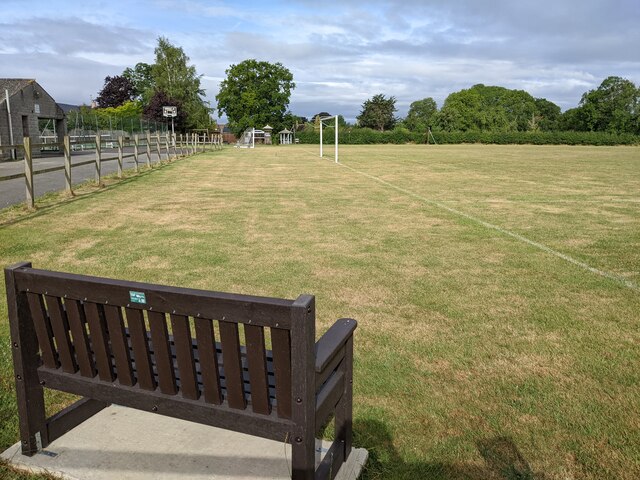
77	322
99	340
115	326
230	340
221	416
257	360
162	352
60	327
184	356
182	301
208	360
281	345
43	330
140	346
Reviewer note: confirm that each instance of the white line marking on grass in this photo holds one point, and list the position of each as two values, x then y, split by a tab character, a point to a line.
611	276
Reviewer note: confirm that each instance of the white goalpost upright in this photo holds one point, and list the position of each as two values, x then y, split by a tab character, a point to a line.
322	119
247	139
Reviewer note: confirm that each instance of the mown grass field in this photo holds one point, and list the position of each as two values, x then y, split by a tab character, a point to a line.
486	348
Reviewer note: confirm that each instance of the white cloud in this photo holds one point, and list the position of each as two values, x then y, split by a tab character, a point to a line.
340	52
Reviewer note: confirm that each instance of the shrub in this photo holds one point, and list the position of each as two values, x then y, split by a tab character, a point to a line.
400	135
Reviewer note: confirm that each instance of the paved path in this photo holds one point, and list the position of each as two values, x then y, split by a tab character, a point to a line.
13	191
122	443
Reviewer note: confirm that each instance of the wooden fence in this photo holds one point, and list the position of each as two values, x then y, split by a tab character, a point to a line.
164	145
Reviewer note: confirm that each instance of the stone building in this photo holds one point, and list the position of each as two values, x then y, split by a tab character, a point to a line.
24	107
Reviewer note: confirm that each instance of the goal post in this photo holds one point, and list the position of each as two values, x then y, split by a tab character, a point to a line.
322	119
247	139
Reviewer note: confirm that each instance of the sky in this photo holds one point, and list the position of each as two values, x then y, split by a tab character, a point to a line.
340	52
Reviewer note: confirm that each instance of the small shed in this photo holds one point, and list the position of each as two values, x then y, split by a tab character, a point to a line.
27	110
286	137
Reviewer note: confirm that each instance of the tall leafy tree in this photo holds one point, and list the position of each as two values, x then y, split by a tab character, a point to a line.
255	93
179	81
153	109
421	114
142	79
613	107
378	113
116	91
488	108
547	116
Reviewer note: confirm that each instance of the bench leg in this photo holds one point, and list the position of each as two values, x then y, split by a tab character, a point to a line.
24	347
303	458
341	446
344	409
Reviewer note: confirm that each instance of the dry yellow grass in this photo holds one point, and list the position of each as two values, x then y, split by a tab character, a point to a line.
475	351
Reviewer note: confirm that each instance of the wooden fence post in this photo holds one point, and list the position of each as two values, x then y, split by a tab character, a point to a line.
148	149
28	171
181	145
120	146
98	159
67	164
166	144
136	143
158	147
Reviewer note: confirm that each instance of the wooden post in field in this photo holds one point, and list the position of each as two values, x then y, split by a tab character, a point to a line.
149	149
66	146
136	144
120	147
28	171
181	145
158	147
166	144
98	159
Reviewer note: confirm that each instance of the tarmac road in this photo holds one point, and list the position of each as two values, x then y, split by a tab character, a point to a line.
13	191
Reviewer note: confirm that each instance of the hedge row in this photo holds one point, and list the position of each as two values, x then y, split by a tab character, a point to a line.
364	136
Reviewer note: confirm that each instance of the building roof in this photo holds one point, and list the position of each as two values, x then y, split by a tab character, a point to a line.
66	108
13	85
285	131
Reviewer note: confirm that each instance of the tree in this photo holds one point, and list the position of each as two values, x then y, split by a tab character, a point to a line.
180	82
547	116
570	120
421	114
153	110
377	113
255	93
142	79
483	108
613	107
116	91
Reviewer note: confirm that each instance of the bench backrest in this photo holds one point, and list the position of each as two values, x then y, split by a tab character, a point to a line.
224	348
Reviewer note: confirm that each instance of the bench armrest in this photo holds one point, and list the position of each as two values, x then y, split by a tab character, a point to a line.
332	341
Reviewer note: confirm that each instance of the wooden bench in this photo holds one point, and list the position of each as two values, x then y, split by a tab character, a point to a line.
243	363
